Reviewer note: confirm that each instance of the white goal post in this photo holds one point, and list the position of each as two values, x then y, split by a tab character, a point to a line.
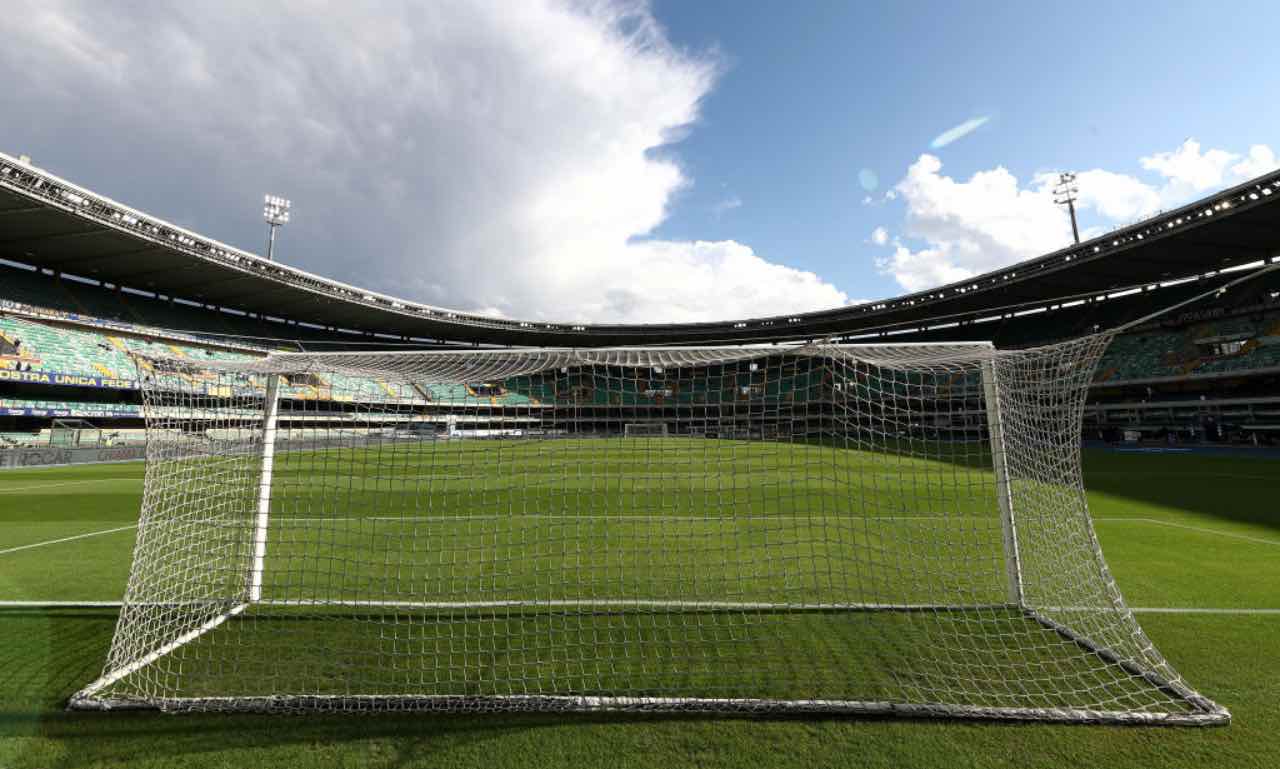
892	529
74	434
645	429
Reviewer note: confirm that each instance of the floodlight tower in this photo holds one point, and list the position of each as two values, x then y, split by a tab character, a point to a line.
276	211
1065	195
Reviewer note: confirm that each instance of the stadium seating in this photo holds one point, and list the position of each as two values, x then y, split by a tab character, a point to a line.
1155	354
12	439
59	349
461	394
67	350
1187	351
83	345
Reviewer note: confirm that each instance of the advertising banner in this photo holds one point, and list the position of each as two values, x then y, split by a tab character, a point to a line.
84	413
53	455
70	380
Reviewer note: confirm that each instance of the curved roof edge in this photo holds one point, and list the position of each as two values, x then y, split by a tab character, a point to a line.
125	246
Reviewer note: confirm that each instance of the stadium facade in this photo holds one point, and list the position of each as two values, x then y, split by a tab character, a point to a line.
86	283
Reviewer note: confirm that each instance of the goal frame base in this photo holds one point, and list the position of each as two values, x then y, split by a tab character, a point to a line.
549	703
1207	712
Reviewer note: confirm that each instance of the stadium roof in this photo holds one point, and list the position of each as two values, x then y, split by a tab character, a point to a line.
51	223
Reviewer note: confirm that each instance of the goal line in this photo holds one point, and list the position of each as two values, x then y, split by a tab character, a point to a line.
1209	610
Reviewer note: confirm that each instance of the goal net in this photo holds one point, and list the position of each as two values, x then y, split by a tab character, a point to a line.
74	434
895	529
645	429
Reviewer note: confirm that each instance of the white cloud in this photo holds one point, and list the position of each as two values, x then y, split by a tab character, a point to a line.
958	132
990	220
969	226
1260	160
488	155
880	236
727	274
1188	170
923	269
1116	197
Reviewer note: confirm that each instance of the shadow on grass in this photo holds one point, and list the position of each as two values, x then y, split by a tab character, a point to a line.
46	655
1230	488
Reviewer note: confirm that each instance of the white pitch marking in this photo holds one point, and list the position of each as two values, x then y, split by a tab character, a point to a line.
68	539
1201	529
1199	610
620	604
61	604
37	487
730	519
110	678
1225	476
627	517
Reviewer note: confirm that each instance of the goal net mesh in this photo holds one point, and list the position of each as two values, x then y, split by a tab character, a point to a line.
644	429
74	433
894	529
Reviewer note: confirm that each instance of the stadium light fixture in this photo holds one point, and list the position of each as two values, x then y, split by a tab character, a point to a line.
276	211
1065	194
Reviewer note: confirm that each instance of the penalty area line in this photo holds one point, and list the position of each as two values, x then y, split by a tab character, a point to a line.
59	484
1197	610
1188	527
86	535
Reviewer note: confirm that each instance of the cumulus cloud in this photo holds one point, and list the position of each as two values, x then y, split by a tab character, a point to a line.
957	132
510	157
730	274
1260	160
1116	197
955	229
969	226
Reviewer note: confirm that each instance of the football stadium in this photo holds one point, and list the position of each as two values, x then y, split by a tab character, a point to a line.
234	488
639	383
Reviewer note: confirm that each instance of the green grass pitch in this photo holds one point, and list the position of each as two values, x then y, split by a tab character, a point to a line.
1179	532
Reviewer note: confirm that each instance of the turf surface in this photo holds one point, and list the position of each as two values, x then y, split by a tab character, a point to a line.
1179	531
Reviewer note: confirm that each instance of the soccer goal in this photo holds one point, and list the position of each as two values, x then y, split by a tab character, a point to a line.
74	434
883	529
645	429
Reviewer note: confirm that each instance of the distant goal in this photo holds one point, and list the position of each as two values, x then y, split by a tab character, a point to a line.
882	529
74	434
645	429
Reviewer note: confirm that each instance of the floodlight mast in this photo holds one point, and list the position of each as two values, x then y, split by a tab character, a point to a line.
1065	195
276	211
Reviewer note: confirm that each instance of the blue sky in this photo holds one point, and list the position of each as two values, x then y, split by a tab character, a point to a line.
808	100
623	161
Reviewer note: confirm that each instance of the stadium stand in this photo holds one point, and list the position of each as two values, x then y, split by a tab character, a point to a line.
59	354
68	343
1230	346
1225	339
44	347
